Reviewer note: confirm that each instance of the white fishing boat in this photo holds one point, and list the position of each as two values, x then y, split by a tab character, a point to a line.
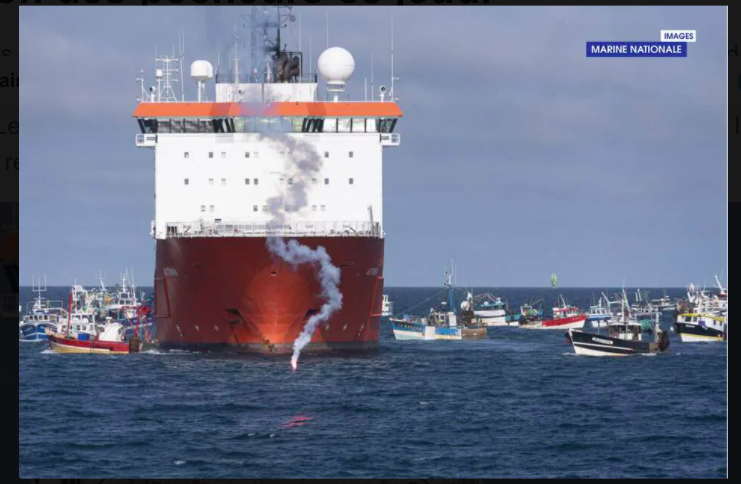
387	310
491	310
599	314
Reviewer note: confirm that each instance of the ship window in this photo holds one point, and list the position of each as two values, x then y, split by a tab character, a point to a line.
223	155
246	181
352	155
313	208
326	181
290	181
223	181
254	208
203	208
344	126
187	182
264	208
247	154
326	154
210	181
282	180
255	154
352	181
255	181
211	208
187	155
210	154
323	208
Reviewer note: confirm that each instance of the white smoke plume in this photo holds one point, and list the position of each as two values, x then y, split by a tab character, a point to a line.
328	276
302	164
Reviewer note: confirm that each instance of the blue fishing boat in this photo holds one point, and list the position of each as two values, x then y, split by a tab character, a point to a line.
440	324
40	315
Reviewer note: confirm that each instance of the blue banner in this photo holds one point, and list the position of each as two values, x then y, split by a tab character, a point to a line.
636	49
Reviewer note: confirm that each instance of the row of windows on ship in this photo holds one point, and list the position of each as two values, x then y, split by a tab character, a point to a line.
256	208
256	154
268	125
256	181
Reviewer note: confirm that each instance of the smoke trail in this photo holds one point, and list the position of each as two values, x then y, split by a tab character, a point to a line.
328	276
302	164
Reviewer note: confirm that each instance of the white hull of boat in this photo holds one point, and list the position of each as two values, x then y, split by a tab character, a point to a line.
694	338
582	351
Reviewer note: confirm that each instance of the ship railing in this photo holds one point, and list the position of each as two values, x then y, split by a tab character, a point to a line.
293	229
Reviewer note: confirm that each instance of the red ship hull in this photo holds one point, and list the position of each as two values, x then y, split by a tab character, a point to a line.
231	294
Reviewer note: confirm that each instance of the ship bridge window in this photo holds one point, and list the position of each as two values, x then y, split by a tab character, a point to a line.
246	181
351	155
352	181
344	125
255	154
255	181
386	125
187	182
290	181
358	125
313	208
264	208
330	125
326	181
210	181
324	208
211	208
254	208
186	155
247	154
326	154
211	154
203	208
223	155
223	182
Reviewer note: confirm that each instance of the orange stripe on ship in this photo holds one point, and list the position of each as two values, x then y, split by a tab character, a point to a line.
283	109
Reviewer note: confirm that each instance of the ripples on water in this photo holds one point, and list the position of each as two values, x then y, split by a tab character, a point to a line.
516	405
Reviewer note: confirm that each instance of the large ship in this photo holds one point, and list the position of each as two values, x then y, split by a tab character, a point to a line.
231	173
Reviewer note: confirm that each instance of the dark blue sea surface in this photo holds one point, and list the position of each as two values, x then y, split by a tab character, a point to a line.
518	404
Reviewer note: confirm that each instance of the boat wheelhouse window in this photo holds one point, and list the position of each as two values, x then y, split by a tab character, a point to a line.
223	155
290	181
323	208
370	126
358	125
313	208
211	208
264	208
352	181
247	154
211	154
351	154
330	125
186	155
223	181
326	181
254	208
255	181
282	180
187	182
326	154
210	181
203	208
246	181
256	154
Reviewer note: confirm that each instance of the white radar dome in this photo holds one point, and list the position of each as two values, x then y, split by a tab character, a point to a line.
465	305
201	70
336	65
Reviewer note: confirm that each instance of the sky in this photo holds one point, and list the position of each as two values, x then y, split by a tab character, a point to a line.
520	156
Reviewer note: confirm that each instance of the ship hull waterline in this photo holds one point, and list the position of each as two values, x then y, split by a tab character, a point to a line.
232	295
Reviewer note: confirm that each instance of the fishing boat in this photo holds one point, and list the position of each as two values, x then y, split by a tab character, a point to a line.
472	327
440	324
112	341
491	309
85	337
529	317
625	337
703	322
387	309
598	315
564	316
41	314
664	304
